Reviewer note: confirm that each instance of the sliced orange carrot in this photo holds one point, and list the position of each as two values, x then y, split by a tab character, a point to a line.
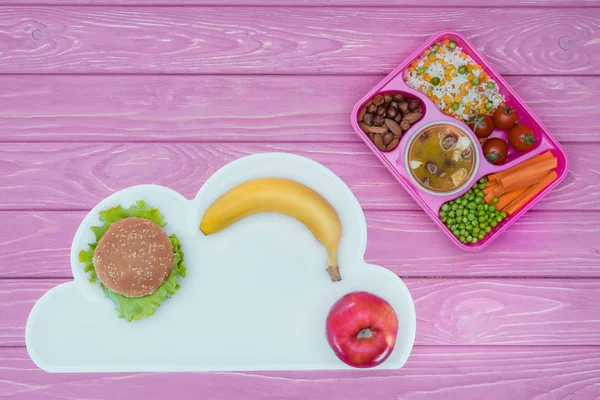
499	175
527	181
533	169
531	193
508	197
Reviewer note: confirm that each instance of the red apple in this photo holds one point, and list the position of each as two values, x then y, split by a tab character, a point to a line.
362	329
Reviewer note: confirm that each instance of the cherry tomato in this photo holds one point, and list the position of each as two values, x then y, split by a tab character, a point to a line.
495	150
482	126
505	118
522	138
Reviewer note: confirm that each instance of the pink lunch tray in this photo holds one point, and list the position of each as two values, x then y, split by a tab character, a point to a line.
394	160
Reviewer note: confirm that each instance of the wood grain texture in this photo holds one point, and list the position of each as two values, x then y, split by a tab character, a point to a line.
516	373
557	244
234	108
321	3
70	176
449	311
285	40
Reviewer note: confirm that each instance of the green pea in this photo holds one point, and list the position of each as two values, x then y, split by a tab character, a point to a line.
462	239
469	238
452	46
455	232
469	228
479	201
488	105
435	81
435	47
420	70
481	236
481	219
499	218
483	180
474	222
442	213
463	232
488	229
493	224
451	214
482	225
455	106
475	81
458	212
495	200
476	230
474	240
490	85
482	186
462	69
463	202
481	207
445	207
453	227
465	220
480	213
503	214
492	207
454	206
480	194
472	206
470	217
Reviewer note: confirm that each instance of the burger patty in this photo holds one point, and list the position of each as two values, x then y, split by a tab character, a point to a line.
134	257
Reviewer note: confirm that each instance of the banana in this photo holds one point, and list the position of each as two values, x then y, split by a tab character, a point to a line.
283	196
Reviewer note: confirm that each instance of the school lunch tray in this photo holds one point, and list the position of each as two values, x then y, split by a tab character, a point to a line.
394	160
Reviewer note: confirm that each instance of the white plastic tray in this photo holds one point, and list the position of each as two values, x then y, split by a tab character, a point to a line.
256	294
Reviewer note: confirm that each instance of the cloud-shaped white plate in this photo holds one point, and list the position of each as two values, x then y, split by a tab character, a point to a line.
256	295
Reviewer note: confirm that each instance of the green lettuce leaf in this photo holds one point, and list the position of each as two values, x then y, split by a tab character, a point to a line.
139	307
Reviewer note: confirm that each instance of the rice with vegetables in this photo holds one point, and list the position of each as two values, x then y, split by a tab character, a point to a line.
454	82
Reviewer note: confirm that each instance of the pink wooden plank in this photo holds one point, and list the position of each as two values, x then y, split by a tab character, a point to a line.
67	176
493	373
286	40
233	108
449	311
559	244
330	3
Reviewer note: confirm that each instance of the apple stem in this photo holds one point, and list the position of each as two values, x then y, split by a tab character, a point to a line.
364	334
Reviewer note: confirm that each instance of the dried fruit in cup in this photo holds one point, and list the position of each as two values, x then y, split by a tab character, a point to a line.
495	150
522	138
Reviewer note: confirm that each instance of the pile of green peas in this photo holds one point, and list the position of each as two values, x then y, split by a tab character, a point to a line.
468	217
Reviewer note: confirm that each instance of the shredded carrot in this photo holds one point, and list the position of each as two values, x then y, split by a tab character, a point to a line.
533	169
531	193
547	155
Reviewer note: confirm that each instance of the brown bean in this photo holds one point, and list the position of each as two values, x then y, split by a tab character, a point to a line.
368	119
419	109
378	100
393	144
399	97
394	104
371	136
403	106
392	112
393	127
388	98
364	127
413	117
362	113
387	138
378	141
369	103
413	104
405	125
378	129
378	120
372	108
381	110
398	118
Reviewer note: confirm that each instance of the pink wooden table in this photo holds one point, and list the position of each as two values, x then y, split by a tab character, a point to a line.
105	94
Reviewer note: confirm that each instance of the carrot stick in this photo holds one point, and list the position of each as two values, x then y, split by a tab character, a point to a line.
488	198
508	197
531	193
489	189
547	155
499	190
528	181
533	169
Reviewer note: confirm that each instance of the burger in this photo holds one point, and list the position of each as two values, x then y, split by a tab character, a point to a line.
133	260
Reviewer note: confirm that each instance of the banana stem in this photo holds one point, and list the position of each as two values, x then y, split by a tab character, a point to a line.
332	268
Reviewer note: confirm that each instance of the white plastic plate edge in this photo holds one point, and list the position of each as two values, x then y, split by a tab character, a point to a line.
55	344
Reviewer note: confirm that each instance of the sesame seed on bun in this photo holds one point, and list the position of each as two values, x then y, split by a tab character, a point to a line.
134	257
